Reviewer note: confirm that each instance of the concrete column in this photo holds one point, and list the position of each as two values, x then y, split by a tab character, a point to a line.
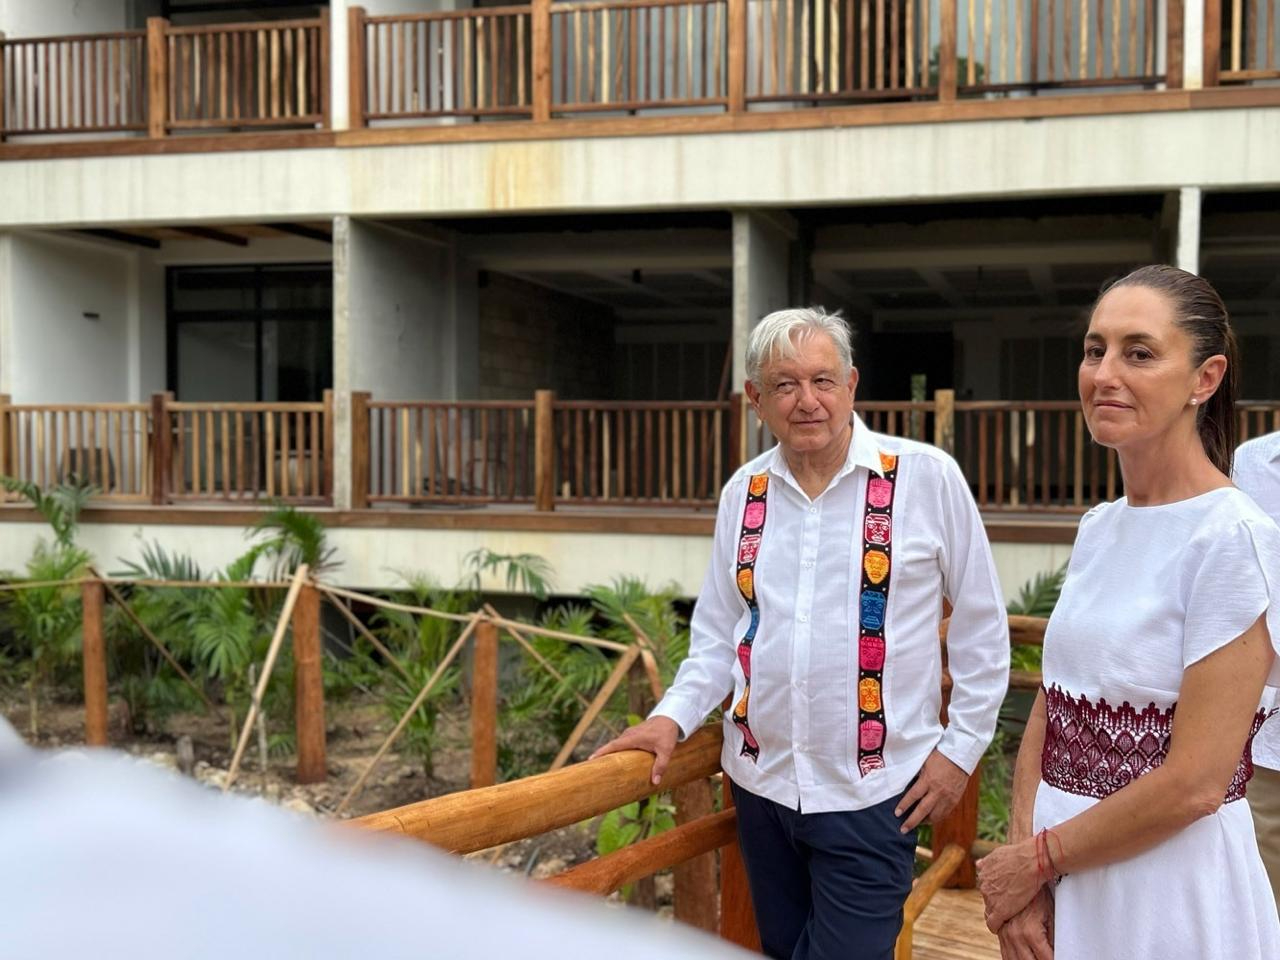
339	82
404	323
341	363
1188	242
1193	45
761	276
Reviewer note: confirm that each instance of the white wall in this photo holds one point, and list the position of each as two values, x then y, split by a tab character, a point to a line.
54	353
39	18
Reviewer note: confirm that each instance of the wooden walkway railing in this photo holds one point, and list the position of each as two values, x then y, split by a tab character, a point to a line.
163	451
167	79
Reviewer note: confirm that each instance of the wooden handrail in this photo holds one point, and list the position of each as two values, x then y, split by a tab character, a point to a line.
479	819
603	875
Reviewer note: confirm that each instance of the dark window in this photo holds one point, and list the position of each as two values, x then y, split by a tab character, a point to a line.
250	333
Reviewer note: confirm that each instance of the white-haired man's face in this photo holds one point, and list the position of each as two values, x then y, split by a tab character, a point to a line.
807	400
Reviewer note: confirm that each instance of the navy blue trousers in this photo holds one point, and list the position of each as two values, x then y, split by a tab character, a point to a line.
825	885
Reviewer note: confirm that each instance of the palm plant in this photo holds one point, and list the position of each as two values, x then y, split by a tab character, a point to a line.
46	621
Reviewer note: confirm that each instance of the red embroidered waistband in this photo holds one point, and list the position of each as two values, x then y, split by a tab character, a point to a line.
1094	749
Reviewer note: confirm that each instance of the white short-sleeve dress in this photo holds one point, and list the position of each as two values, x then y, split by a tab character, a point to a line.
1149	592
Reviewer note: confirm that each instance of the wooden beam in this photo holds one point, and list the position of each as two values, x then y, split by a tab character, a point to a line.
302	230
119	236
157	77
478	819
211	233
695	840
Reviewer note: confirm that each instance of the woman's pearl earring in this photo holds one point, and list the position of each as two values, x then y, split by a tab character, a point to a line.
1194	401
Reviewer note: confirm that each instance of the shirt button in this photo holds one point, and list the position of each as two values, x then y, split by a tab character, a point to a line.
808	563
813	509
804	618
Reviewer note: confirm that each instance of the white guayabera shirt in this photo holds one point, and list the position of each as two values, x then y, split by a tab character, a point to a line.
809	654
1256	471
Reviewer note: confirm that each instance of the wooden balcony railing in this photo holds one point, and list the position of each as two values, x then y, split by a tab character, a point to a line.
246	451
243	75
166	78
418	451
106	444
1240	41
91	83
228	452
733	54
456	64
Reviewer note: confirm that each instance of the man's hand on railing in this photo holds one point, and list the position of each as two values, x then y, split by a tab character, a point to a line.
657	735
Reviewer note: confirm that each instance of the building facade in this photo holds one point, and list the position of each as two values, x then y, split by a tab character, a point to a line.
430	267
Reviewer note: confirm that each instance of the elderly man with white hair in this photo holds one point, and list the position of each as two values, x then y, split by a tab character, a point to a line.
819	616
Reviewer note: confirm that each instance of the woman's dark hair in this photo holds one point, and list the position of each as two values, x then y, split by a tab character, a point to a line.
1199	311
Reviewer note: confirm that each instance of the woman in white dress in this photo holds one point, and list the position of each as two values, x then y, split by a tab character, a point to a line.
1130	836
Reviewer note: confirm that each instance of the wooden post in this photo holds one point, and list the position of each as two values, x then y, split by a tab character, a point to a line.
1173	43
157	77
360	454
308	686
544	450
484	706
644	892
326	462
947	51
737	56
6	427
95	665
161	448
357	81
737	916
540	30
944	420
323	83
695	880
1211	64
3	99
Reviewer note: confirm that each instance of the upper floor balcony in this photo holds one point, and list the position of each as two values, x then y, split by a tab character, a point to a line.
629	66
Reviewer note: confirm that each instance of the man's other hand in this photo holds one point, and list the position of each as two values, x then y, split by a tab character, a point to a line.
657	735
935	793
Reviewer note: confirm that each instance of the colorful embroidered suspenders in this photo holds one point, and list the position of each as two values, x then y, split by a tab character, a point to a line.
877	536
877	549
748	549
